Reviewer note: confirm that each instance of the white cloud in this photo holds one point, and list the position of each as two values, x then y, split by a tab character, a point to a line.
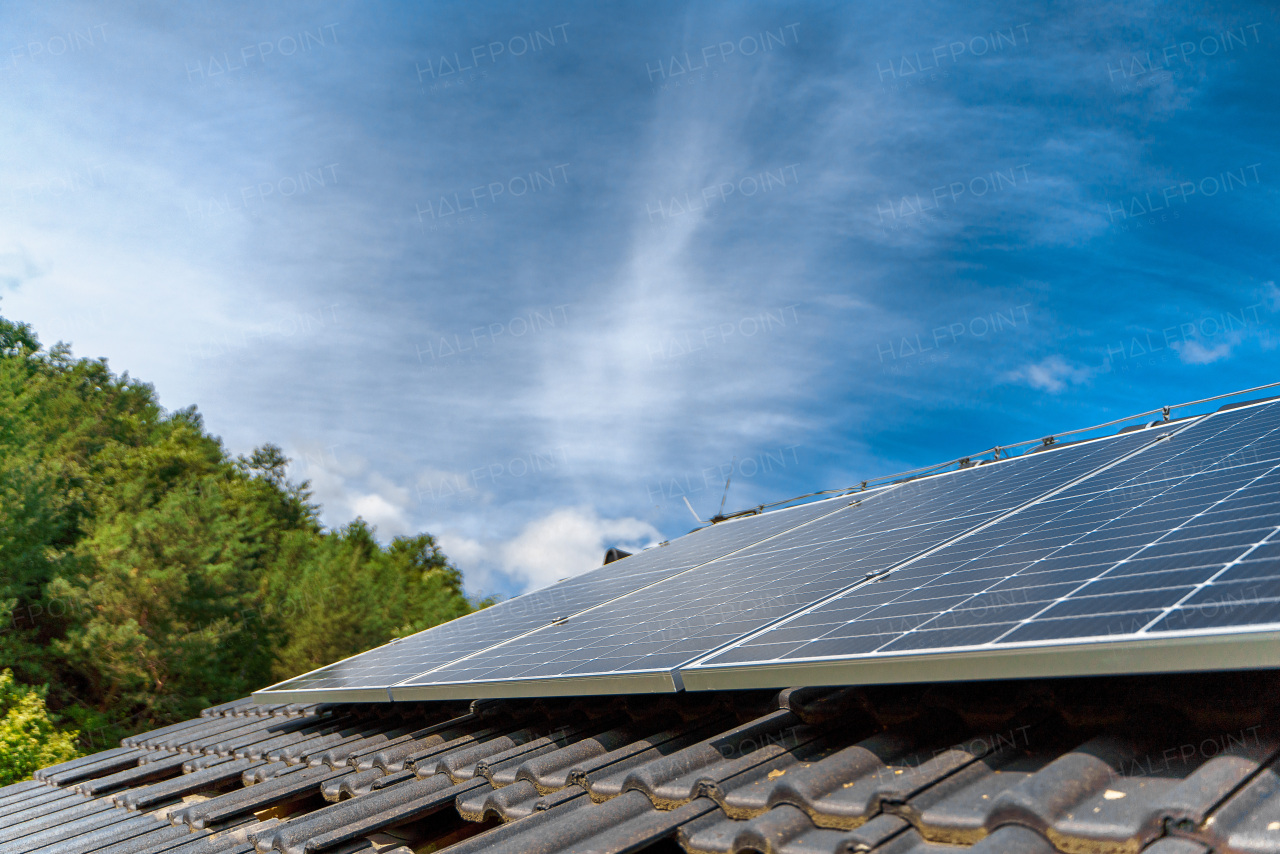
1192	352
346	488
569	541
16	268
381	513
463	551
1271	295
1052	374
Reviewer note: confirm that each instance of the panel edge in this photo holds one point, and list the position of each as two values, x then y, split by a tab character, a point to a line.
1158	655
657	682
321	695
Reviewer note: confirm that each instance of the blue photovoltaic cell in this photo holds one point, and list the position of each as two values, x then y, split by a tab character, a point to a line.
391	663
687	615
1177	540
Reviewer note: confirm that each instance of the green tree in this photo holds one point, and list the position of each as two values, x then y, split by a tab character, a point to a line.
145	572
342	593
29	738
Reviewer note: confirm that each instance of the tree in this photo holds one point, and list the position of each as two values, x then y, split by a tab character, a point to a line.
342	594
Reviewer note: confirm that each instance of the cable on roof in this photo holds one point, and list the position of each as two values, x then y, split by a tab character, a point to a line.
995	451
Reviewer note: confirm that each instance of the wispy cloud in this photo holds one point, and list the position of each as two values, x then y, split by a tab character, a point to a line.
17	268
734	257
1053	374
1194	352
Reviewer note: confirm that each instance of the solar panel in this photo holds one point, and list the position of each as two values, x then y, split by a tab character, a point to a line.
1169	560
638	641
368	676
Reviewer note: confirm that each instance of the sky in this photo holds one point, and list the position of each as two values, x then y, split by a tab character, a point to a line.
531	276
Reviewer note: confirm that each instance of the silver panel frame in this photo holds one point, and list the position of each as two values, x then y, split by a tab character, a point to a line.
322	695
637	682
1227	649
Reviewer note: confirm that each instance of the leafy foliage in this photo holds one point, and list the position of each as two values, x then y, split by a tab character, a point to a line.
145	573
350	594
28	737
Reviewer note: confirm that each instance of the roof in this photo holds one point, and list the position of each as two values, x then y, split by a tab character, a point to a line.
1181	764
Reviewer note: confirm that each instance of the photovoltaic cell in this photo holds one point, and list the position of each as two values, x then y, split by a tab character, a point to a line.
660	627
385	666
1178	541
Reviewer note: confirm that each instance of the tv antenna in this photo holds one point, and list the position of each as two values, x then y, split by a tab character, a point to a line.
733	465
719	517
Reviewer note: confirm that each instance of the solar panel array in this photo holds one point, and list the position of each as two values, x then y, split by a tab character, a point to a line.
1081	558
1176	541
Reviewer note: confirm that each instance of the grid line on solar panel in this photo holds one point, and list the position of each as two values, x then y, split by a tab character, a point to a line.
1190	607
1208	552
674	621
1133	506
391	663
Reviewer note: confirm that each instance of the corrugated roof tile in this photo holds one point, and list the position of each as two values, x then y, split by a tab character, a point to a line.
1121	766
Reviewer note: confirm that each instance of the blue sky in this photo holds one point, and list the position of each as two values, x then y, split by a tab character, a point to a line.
525	276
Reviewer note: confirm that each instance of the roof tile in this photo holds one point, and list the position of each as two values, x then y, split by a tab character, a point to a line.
1118	766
